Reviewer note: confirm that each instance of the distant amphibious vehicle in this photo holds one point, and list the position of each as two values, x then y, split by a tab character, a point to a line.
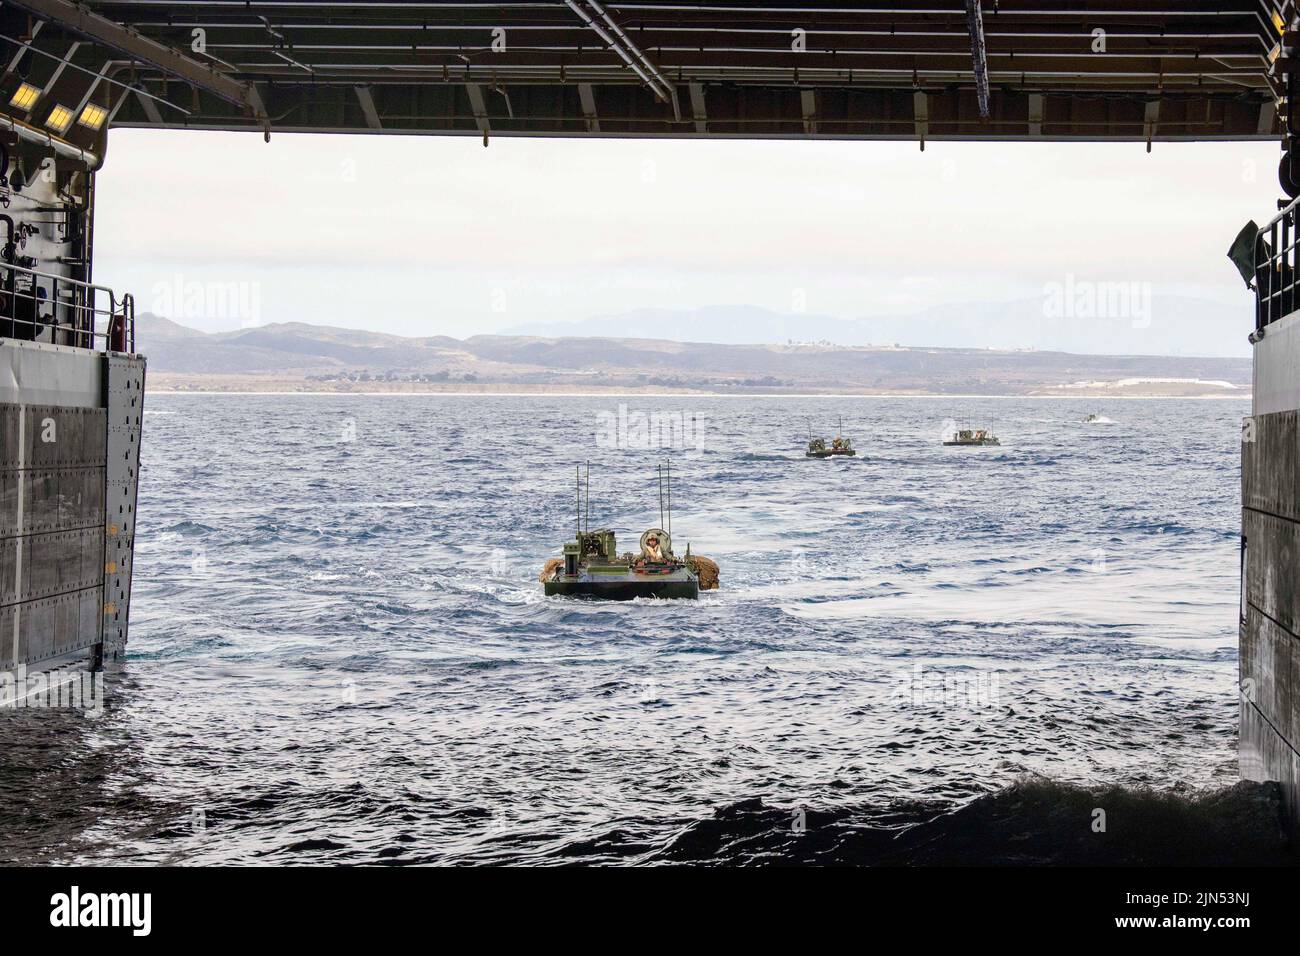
593	568
817	447
973	436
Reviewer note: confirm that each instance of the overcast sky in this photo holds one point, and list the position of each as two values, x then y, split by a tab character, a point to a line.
431	235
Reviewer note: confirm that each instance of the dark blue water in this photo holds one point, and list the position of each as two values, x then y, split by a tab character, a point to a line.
340	651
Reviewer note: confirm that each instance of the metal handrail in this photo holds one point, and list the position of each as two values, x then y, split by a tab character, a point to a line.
44	307
1275	262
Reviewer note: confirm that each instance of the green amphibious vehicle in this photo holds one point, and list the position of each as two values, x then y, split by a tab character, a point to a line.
593	568
973	436
817	447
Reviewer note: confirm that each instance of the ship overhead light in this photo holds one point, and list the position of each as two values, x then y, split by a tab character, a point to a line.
25	96
92	116
60	119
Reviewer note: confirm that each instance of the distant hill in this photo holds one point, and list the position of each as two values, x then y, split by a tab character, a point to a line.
301	356
1142	324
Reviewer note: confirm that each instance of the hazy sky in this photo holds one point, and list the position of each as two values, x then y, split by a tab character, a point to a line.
429	235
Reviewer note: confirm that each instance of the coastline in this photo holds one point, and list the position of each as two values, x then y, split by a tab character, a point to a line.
1243	395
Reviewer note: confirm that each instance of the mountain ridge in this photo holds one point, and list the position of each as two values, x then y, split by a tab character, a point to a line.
1139	323
303	356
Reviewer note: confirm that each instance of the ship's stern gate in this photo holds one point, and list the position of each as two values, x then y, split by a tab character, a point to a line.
71	410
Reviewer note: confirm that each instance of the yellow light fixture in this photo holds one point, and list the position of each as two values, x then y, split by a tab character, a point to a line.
25	96
60	119
92	116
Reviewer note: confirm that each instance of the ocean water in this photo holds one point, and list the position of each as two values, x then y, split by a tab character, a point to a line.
340	651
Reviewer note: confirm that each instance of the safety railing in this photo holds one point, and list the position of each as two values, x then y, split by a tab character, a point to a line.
1276	290
40	306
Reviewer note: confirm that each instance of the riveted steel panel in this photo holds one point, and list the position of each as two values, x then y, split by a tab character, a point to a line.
58	499
67	631
92	555
9	456
78	503
42	567
1269	657
53	563
90	615
41	505
51	627
18	564
125	406
94	440
64	437
6	635
54	436
9	587
36	637
94	497
9	502
52	468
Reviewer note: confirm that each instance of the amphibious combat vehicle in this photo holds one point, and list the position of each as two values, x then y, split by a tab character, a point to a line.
973	436
593	568
817	447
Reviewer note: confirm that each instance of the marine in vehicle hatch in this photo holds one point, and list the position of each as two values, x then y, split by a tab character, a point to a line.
592	567
651	551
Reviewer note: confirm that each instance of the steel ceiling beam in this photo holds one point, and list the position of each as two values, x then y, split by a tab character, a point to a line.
623	47
979	55
22	46
859	75
80	20
367	102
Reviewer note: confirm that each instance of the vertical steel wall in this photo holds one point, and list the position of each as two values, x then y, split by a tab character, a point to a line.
1270	598
70	424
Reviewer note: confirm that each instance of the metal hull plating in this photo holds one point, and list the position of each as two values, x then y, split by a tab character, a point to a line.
1269	626
69	460
1270	609
124	400
679	584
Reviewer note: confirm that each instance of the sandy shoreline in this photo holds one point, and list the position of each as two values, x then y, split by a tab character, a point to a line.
1230	396
175	383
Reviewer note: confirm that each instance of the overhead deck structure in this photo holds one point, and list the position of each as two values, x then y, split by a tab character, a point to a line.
1034	70
914	69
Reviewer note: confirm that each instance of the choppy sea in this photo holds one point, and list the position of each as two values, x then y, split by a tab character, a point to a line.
340	651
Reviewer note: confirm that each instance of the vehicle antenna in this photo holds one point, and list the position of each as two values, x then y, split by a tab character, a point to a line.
669	529
660	470
588	518
577	477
